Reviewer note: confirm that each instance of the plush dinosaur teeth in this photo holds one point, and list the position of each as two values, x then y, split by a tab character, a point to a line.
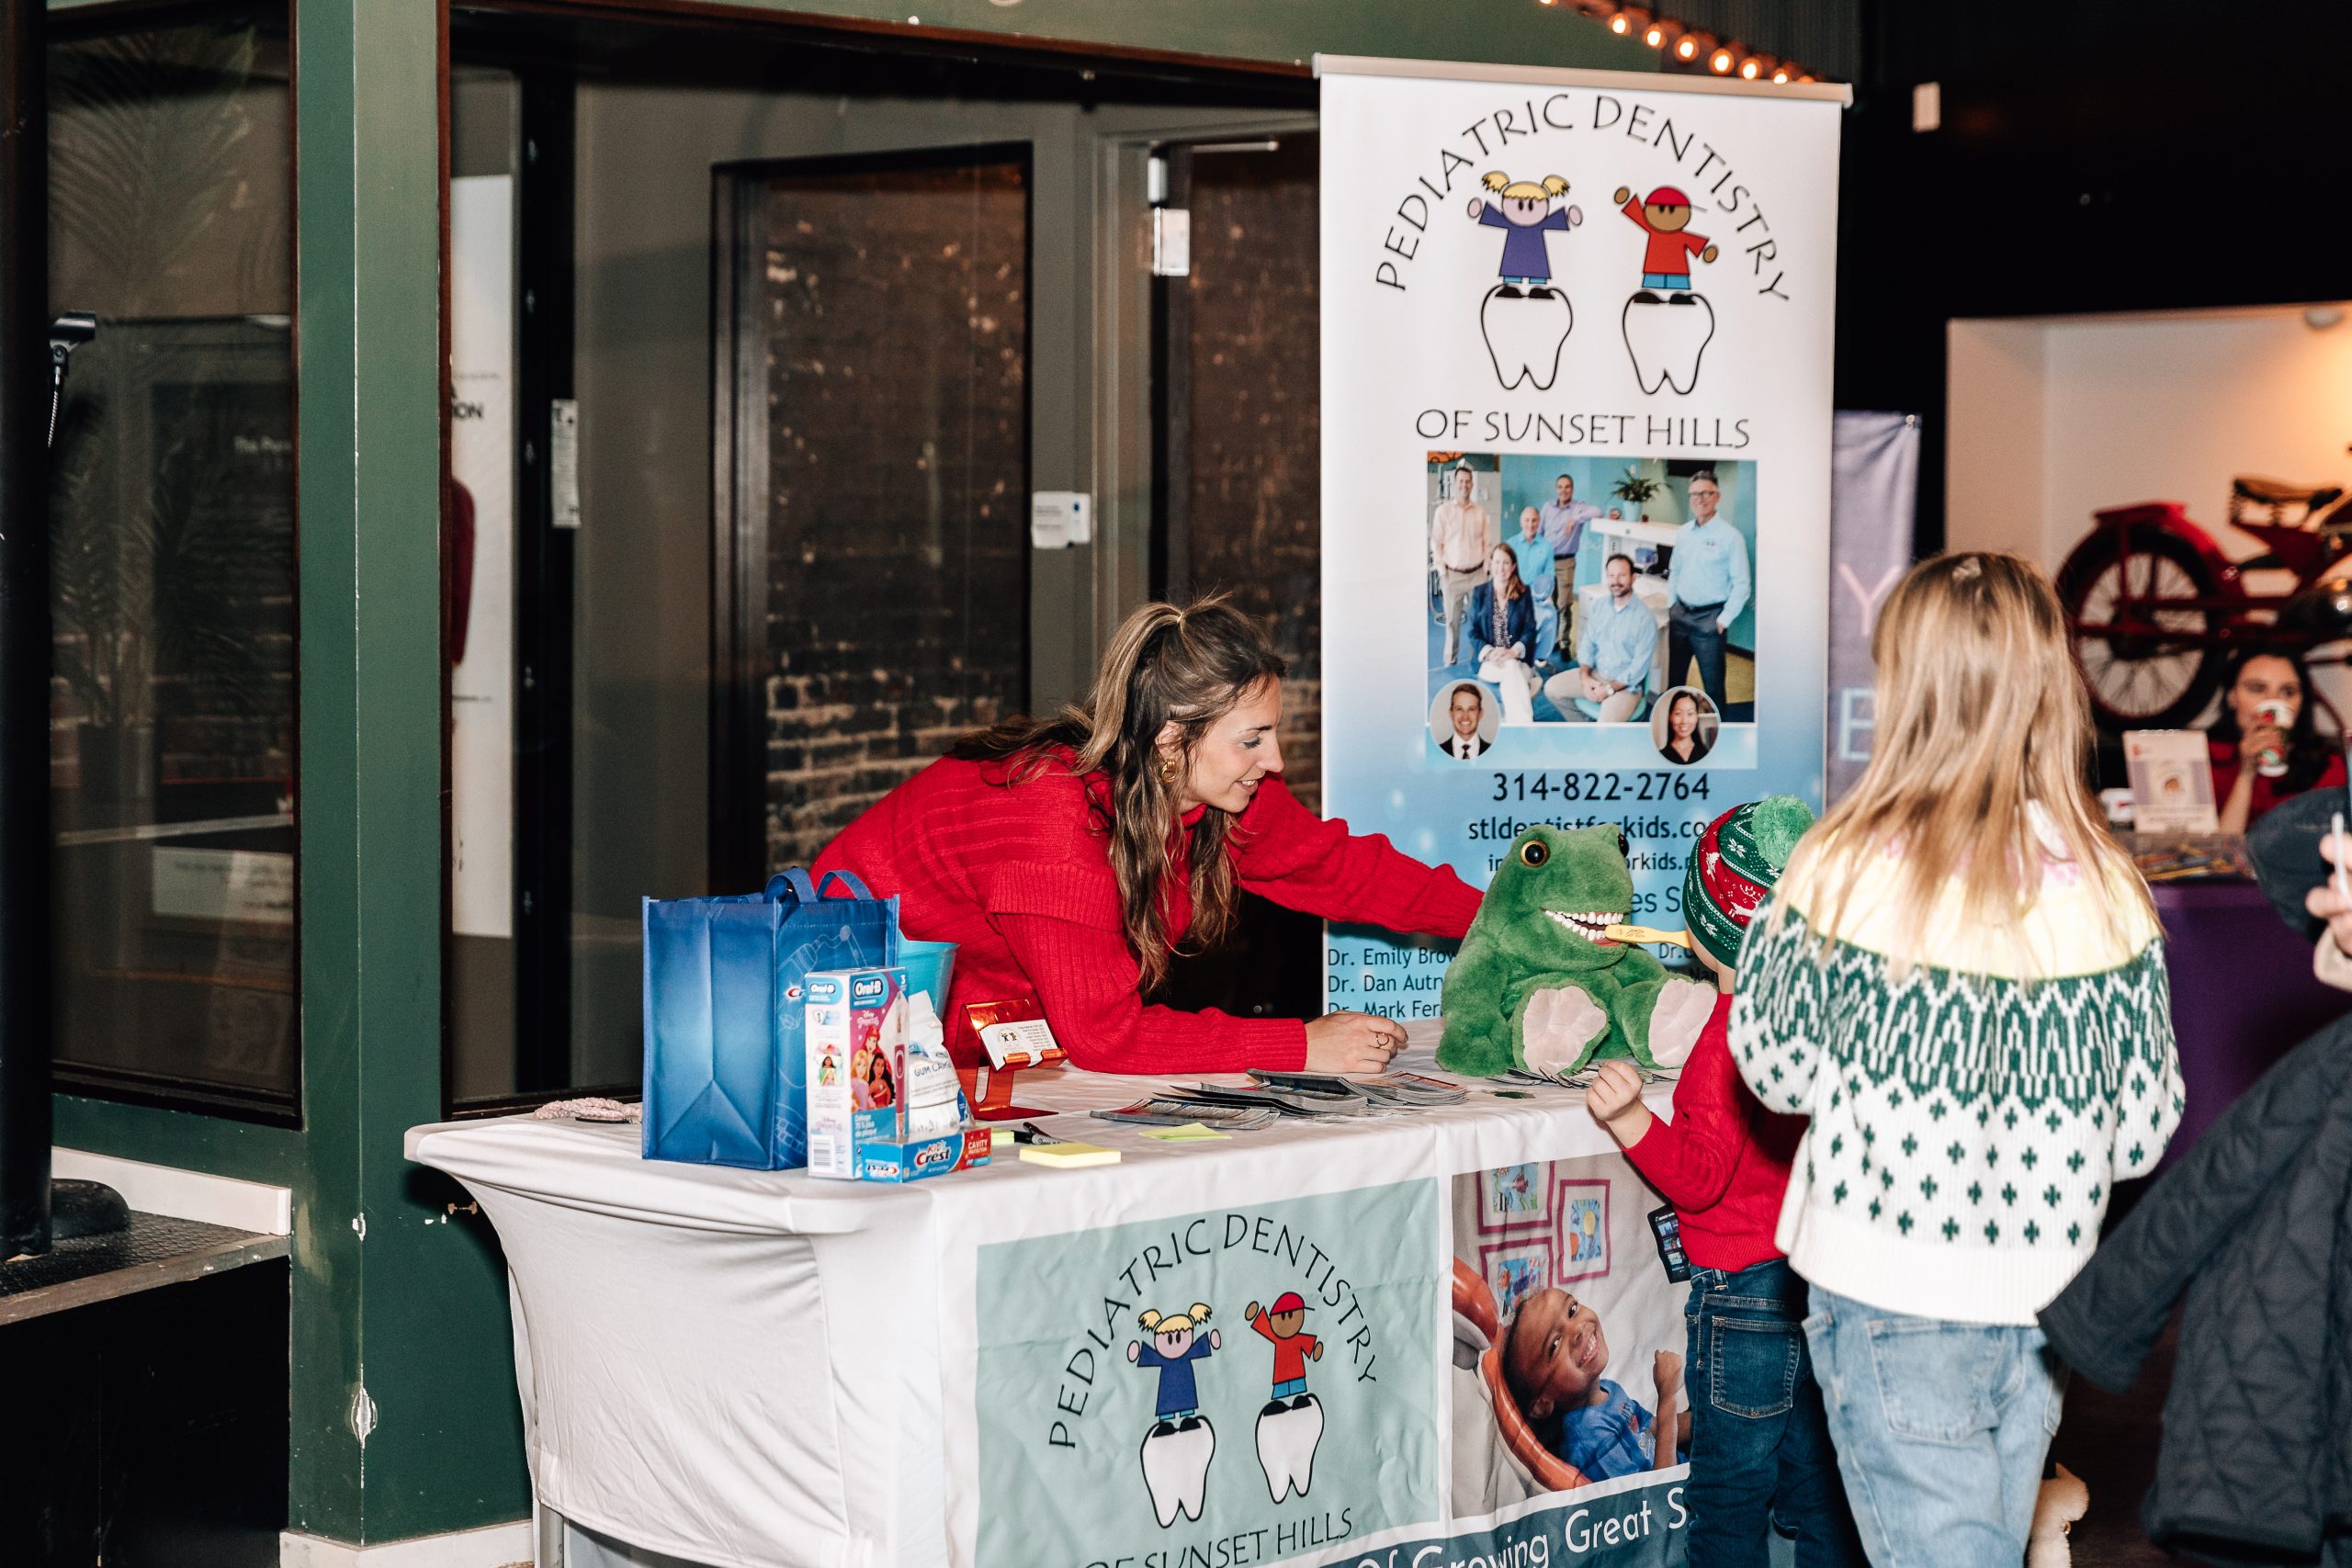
1593	926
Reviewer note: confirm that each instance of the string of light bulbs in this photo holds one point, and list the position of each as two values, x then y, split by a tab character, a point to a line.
1692	46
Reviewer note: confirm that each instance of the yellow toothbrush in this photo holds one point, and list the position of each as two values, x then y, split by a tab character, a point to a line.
1644	935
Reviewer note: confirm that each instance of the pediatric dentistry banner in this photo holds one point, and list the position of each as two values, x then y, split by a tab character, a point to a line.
1333	1379
1577	355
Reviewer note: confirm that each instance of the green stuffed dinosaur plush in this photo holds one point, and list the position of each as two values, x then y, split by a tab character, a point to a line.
1537	984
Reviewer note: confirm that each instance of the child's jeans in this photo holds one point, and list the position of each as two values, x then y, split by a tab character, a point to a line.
1941	1428
1759	1446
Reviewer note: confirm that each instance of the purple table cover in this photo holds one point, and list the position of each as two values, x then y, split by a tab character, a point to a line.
2242	994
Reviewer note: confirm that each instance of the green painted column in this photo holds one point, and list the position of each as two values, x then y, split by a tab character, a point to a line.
393	1297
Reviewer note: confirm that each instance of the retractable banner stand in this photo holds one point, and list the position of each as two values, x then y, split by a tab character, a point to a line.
1576	333
1577	436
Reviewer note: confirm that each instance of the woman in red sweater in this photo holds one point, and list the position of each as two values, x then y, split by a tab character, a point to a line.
1071	859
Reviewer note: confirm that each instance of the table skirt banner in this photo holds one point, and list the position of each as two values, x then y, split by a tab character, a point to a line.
1317	1380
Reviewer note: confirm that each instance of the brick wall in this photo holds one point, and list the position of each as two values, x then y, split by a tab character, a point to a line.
1256	415
899	556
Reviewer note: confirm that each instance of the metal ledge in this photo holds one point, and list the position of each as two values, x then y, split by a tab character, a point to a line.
155	1251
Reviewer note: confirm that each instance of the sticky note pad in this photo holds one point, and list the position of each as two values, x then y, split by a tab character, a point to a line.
1069	1156
1190	1132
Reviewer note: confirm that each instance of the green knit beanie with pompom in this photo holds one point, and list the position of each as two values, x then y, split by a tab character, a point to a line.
1731	872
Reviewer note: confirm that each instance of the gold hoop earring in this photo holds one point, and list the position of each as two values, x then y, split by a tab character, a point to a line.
1168	769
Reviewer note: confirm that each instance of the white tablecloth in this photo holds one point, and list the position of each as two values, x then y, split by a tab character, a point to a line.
770	1369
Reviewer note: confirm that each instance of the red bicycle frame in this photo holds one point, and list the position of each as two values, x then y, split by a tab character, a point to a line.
2134	613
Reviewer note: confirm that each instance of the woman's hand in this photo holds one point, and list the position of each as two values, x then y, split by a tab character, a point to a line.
1352	1042
2260	738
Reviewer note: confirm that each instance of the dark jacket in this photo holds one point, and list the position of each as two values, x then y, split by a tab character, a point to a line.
2254	1225
2283	843
1519	621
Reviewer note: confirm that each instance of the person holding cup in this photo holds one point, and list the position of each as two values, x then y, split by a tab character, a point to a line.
2265	746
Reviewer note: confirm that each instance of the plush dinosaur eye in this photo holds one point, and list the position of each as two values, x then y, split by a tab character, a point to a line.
1533	853
1622	847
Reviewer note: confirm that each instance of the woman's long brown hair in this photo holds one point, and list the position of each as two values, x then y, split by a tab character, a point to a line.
1517	584
1188	667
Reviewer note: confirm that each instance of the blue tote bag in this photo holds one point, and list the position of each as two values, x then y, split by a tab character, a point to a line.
726	1080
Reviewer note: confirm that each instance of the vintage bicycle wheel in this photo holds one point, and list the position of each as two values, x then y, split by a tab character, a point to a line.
2159	669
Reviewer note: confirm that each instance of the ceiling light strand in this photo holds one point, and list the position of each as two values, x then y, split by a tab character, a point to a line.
1690	46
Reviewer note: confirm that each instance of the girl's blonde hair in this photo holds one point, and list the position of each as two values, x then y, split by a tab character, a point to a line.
1523	190
1175	1322
1980	718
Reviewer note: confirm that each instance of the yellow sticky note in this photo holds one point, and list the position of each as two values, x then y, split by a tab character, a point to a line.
1069	1156
1190	1132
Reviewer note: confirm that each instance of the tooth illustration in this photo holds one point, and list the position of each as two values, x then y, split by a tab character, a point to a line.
1176	1468
1288	1438
1559	1022
1526	330
1680	1012
1666	334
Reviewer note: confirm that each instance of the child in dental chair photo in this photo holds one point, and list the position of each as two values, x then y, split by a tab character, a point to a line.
1553	1354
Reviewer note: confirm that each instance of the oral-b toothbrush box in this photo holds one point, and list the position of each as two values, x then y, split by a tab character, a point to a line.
861	1087
857	1042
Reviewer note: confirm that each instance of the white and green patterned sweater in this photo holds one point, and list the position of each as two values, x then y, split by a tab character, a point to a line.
1968	1123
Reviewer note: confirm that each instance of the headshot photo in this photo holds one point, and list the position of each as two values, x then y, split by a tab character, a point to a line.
1463	719
1684	724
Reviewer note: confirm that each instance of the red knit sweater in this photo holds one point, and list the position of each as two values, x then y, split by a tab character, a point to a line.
1723	1161
1019	877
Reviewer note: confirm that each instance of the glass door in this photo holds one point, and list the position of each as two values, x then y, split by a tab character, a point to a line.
873	558
1237	481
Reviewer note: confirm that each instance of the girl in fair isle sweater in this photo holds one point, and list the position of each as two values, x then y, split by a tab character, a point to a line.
1960	981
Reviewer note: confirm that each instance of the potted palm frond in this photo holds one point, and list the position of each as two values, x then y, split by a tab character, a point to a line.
1636	489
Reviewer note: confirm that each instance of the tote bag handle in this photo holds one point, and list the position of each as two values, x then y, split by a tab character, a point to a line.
847	879
795	881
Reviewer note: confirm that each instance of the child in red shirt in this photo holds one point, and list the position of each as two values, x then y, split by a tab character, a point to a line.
1759	1441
